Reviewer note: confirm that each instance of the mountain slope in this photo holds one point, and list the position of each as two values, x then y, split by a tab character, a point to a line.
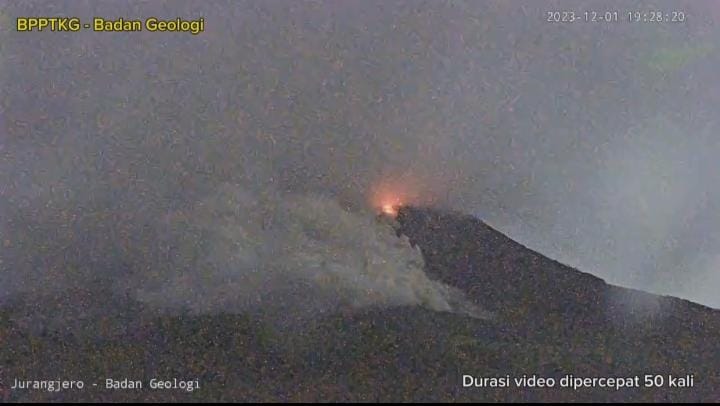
550	320
544	300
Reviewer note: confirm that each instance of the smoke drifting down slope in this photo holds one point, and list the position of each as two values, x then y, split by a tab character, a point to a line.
239	250
298	254
294	252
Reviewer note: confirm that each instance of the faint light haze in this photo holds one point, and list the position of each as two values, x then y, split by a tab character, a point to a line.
248	146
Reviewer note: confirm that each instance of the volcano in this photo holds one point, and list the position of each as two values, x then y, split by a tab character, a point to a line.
550	323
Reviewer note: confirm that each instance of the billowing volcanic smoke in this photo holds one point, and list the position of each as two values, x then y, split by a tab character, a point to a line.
296	253
241	250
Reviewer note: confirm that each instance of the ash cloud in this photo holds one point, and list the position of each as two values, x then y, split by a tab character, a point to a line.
288	254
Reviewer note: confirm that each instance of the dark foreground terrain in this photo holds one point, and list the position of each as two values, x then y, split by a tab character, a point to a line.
550	321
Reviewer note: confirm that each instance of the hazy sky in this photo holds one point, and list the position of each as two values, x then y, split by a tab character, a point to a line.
594	143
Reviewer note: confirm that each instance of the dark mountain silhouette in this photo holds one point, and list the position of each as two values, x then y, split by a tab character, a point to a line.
549	320
503	275
630	332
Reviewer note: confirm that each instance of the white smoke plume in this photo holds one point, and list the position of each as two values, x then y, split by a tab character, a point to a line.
299	254
239	249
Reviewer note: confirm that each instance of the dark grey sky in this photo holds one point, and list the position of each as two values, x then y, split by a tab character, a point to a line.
594	143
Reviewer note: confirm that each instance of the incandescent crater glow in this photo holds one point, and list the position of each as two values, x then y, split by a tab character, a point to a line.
389	196
390	209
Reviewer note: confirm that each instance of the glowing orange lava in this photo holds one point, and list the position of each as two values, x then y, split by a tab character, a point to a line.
390	209
388	204
389	195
